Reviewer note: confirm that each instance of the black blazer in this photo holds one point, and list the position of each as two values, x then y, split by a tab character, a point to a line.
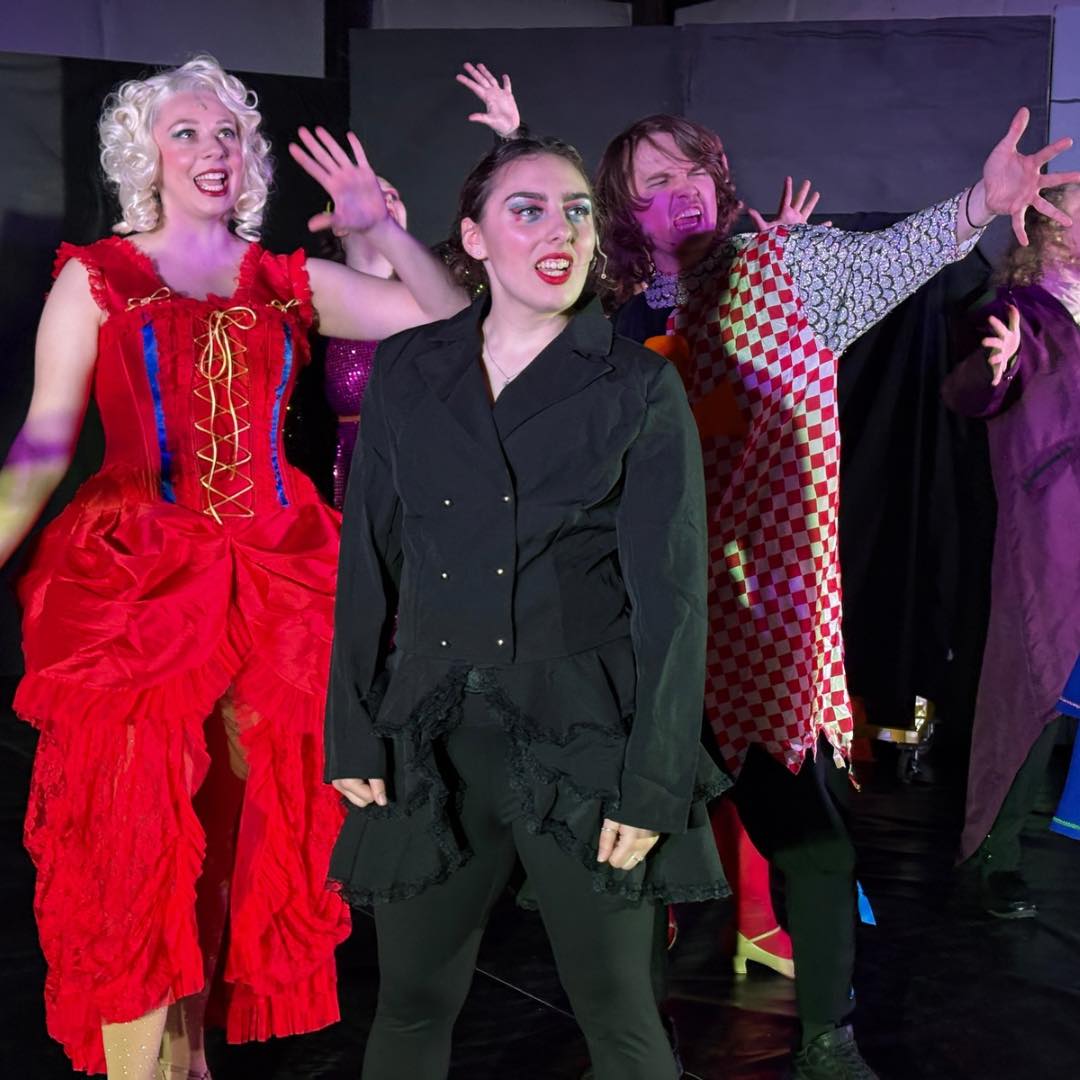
552	546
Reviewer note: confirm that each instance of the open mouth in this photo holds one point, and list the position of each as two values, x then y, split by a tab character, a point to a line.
555	269
689	220
212	183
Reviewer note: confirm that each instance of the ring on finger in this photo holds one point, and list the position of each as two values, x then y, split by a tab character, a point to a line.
607	828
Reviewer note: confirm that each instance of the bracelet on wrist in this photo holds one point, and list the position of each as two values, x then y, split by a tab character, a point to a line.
967	211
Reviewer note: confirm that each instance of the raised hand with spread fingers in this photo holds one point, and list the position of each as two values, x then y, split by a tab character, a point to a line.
356	305
1012	181
500	108
794	209
359	203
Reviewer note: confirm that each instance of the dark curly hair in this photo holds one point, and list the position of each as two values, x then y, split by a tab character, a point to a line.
629	251
476	190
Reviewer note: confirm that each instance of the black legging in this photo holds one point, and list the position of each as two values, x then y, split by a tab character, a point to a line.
428	944
798	822
1000	851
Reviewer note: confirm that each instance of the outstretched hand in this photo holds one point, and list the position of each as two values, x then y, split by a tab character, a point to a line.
501	110
794	209
358	201
1013	181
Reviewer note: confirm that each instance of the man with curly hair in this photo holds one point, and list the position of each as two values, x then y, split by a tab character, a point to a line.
755	324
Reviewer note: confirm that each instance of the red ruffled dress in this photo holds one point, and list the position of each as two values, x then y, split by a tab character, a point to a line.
195	564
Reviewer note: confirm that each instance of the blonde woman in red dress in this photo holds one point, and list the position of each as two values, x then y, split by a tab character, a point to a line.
178	613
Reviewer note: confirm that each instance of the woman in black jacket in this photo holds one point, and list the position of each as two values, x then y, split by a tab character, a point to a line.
527	500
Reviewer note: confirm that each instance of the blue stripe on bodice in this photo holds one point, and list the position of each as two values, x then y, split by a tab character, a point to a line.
279	394
150	359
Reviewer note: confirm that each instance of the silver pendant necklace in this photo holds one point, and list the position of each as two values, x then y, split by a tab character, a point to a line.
507	379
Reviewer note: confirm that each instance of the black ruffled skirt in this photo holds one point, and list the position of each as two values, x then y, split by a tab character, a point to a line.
566	723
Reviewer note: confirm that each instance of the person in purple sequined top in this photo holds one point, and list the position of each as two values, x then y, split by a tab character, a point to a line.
349	363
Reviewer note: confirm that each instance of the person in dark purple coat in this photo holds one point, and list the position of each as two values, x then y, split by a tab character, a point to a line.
1025	382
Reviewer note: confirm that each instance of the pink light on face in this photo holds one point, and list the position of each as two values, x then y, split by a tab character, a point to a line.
201	160
678	197
536	234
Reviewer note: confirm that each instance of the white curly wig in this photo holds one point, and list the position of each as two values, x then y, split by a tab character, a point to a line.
130	157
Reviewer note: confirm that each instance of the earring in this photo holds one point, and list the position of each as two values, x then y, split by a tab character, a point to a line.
600	254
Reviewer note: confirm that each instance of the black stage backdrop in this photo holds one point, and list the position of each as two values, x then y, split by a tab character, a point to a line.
885	117
54	152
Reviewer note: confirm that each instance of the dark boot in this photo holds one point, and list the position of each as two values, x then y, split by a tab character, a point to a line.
1004	894
832	1056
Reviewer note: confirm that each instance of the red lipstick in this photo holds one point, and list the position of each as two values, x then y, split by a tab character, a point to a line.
555	269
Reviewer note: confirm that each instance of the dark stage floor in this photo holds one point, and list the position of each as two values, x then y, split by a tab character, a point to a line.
943	992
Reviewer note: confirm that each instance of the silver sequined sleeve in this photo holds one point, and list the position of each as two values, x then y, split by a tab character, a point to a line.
850	280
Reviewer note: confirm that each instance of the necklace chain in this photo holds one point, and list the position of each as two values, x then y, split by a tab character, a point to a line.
507	379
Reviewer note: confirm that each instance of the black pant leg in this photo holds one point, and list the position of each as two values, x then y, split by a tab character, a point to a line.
428	944
1001	849
798	822
603	947
659	965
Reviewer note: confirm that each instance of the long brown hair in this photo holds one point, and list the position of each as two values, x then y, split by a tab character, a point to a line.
476	190
628	249
1046	245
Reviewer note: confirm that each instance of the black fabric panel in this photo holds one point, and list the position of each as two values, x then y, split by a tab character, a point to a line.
889	116
582	85
916	506
31	208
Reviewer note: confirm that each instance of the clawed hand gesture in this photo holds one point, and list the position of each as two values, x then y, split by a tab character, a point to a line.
358	202
794	209
1003	344
501	111
1013	181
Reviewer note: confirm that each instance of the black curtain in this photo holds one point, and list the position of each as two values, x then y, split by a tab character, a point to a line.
916	508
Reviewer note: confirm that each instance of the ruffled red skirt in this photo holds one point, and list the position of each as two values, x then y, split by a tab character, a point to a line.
138	618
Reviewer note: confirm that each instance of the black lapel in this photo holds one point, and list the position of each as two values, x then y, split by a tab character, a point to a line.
576	358
451	368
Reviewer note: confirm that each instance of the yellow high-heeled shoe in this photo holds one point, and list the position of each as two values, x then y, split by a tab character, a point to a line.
751	949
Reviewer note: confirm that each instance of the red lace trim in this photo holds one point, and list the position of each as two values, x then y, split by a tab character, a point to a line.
98	289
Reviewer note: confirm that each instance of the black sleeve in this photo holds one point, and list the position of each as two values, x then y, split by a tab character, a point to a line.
663	550
368	575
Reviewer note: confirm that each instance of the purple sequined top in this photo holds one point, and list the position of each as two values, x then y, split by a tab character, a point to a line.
348	369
